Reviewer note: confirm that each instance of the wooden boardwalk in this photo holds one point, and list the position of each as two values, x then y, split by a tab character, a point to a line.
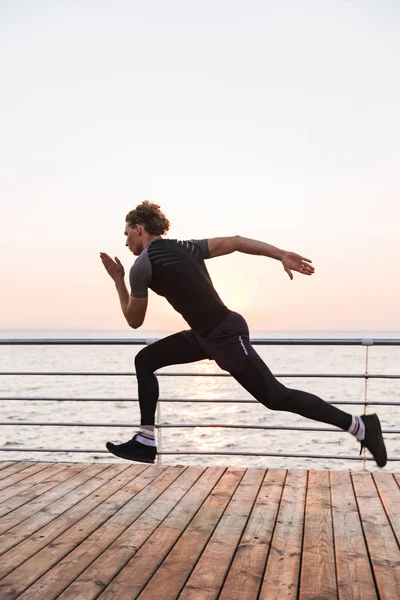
120	531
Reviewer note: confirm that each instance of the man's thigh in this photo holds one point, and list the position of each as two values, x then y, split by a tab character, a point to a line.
178	348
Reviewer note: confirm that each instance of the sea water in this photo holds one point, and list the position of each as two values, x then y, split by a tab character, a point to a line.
284	361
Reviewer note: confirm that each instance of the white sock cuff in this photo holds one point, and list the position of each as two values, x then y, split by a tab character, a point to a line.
144	438
357	428
148	431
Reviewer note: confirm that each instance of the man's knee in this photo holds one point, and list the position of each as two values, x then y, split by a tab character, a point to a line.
144	362
275	400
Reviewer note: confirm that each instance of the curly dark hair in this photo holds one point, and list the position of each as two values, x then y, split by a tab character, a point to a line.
150	216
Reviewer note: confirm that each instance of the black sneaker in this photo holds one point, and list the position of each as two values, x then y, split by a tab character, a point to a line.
133	450
373	439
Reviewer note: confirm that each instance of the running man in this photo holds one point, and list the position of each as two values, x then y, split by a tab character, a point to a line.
176	270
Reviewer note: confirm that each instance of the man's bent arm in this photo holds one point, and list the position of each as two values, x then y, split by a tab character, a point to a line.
123	295
227	245
134	309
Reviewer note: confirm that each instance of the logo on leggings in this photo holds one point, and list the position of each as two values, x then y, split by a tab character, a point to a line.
243	346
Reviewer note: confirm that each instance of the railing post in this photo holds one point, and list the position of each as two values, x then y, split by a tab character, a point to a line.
157	419
366	343
159	432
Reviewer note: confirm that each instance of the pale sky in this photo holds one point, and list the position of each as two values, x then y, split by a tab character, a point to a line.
277	121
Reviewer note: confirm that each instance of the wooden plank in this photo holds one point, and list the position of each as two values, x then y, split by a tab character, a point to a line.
281	577
246	573
19	488
175	482
172	574
113	508
5	463
381	542
22	474
16	518
14	467
390	497
354	576
65	512
208	576
38	489
67	495
318	576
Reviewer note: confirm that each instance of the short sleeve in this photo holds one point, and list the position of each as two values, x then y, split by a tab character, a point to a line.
203	245
140	276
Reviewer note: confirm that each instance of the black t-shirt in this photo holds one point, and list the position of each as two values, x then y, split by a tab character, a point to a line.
176	270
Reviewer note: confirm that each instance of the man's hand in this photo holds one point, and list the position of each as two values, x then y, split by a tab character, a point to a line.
114	269
294	262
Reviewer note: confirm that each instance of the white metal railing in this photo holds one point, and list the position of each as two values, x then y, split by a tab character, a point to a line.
160	426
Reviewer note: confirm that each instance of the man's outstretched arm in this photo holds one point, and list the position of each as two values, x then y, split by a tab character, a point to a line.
290	260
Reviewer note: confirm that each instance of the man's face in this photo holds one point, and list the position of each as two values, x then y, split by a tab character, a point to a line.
133	239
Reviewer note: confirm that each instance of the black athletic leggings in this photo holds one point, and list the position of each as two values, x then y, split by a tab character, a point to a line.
253	374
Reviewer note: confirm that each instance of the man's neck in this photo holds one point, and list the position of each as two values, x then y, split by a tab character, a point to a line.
150	239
